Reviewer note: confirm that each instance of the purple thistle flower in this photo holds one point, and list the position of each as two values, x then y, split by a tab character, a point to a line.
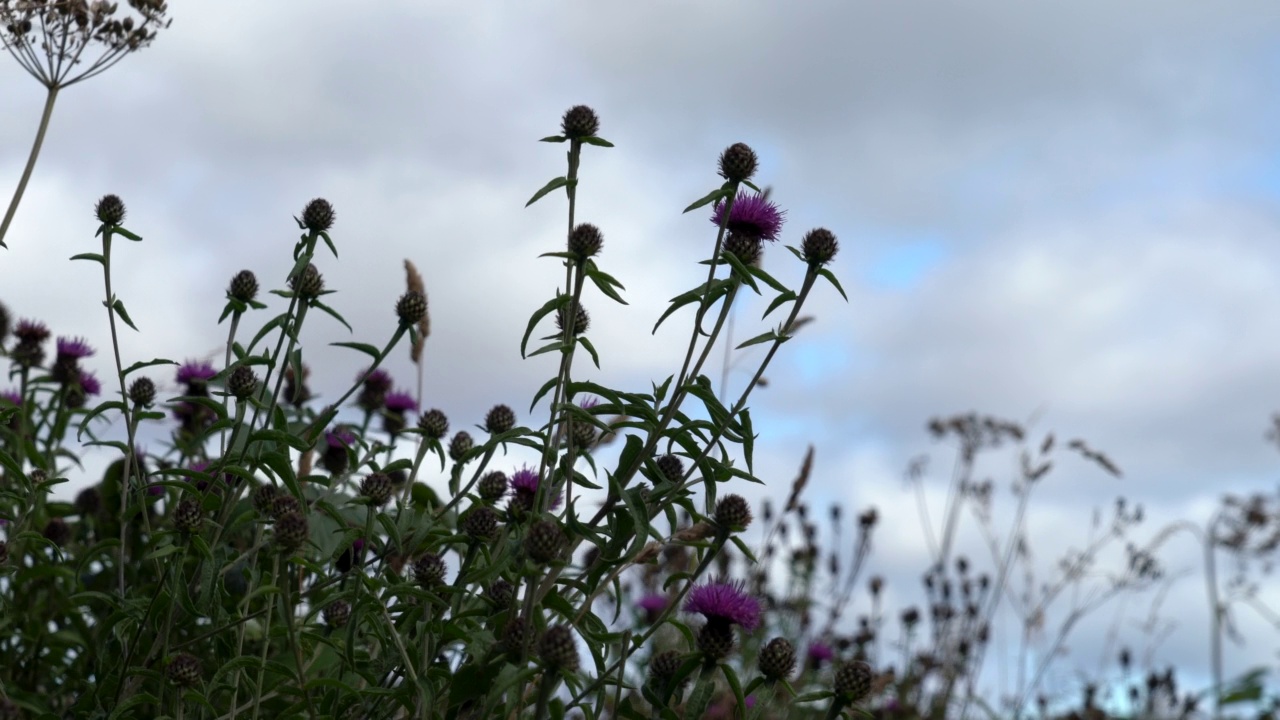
752	215
340	437
400	402
11	396
820	652
379	379
155	489
524	486
71	349
89	384
195	371
31	331
588	403
724	601
652	605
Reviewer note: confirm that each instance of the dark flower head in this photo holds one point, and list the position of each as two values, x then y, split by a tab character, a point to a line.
820	652
31	331
11	396
400	402
89	384
752	215
580	121
374	386
195	374
73	349
652	605
725	601
109	210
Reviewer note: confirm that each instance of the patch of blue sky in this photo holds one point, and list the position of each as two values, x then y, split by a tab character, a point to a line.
903	264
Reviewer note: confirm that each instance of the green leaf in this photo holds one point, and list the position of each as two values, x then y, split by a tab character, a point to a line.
149	363
739	270
554	139
268	435
717	289
365	348
832	279
605	282
748	437
761	338
332	313
554	184
547	308
782	298
709	198
95	257
597	141
546	388
586	344
121	231
119	306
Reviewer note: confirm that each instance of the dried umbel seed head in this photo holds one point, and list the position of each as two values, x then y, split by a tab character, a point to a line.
738	162
57	531
819	247
557	649
318	215
480	523
88	502
433	424
716	640
110	210
188	517
282	505
493	486
142	392
501	593
580	322
337	613
853	681
309	283
545	541
585	241
242	382
733	513
429	570
499	419
264	499
460	445
292	530
663	667
376	487
778	659
411	307
580	121
672	468
744	247
183	670
244	286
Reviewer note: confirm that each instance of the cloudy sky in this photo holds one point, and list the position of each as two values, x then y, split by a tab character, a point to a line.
1063	214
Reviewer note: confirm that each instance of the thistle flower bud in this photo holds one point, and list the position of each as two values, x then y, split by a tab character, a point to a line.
282	505
738	162
745	248
501	593
663	667
516	636
580	121
429	570
460	445
264	499
318	215
778	659
337	613
580	319
309	283
187	516
733	513
853	681
545	541
480	523
110	210
557	649
242	382
583	434
716	640
244	286
499	419
493	486
183	670
411	307
142	392
376	487
433	424
672	468
57	531
88	502
585	240
819	247
292	530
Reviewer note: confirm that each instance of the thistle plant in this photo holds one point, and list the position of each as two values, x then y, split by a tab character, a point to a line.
63	42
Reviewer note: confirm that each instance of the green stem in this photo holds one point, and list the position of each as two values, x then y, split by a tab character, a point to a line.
266	644
545	687
50	97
